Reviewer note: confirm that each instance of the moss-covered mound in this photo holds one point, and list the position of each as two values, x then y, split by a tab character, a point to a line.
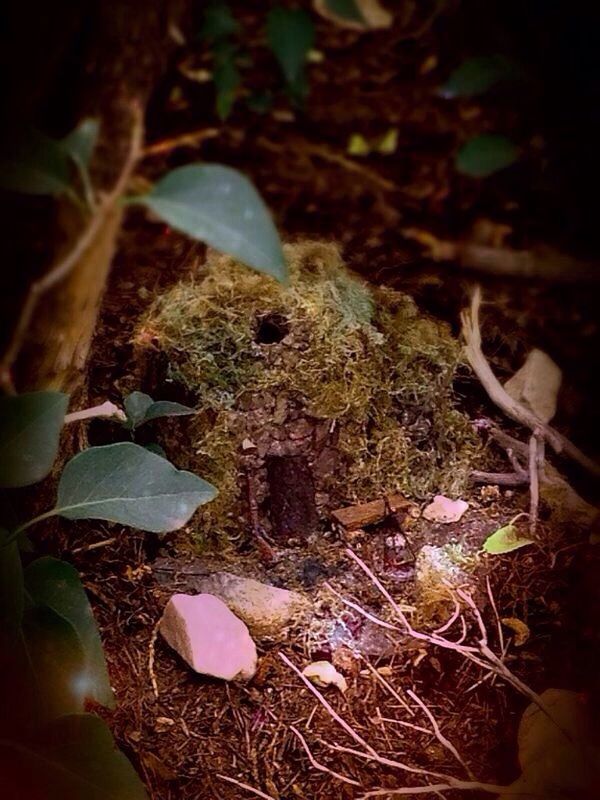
351	376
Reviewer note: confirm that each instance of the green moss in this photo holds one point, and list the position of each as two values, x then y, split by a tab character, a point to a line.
364	357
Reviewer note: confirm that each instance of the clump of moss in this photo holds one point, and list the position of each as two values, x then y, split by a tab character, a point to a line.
339	349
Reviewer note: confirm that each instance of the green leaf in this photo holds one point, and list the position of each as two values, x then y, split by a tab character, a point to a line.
125	483
345	9
219	22
505	540
477	75
56	584
80	143
11	582
72	758
141	408
30	426
53	671
483	155
155	448
219	206
33	163
291	34
226	77
136	404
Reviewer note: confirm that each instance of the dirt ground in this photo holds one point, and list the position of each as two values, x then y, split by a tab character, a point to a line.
196	729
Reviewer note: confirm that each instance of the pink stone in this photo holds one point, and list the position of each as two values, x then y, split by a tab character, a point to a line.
209	636
443	509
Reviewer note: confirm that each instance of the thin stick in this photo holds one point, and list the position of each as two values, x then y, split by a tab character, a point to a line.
95	545
106	409
495	610
316	764
438	733
497	393
62	268
388	687
247	787
534	483
363	612
520	478
151	652
332	713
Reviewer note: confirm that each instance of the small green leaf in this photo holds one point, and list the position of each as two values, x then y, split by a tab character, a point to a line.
226	77
141	408
476	75
136	404
80	143
30	426
219	22
505	540
56	584
11	582
291	34
483	155
219	206
33	163
72	758
125	483
345	9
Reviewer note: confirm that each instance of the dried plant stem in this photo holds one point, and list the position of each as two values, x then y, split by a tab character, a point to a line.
496	392
59	271
106	409
246	786
438	733
316	764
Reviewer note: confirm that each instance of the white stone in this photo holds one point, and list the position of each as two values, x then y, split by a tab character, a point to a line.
323	674
267	610
443	509
209	637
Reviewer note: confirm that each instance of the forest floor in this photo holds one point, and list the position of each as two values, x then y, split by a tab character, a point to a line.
196	729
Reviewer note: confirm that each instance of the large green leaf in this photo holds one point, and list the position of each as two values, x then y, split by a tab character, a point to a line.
476	75
33	163
483	155
220	206
30	426
53	670
56	584
80	143
291	34
126	483
72	758
141	408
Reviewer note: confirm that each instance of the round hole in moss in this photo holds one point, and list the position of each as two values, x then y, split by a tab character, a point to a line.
271	328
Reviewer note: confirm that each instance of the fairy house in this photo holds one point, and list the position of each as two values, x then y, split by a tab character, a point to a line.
323	392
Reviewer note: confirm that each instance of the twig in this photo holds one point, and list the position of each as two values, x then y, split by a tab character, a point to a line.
520	478
59	271
534	483
363	612
316	764
388	687
95	545
245	786
151	652
438	733
190	138
496	392
106	409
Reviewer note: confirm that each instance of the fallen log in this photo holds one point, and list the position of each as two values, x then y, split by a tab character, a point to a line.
358	516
